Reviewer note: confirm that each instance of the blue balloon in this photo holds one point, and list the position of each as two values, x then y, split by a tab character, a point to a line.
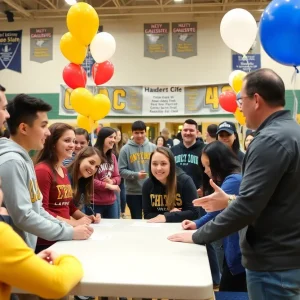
280	31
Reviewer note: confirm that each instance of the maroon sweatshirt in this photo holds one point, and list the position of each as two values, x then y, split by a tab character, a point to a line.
102	195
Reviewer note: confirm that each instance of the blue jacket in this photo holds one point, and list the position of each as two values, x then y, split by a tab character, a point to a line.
232	251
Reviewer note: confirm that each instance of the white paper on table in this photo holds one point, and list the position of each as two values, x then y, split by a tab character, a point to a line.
97	236
143	224
103	225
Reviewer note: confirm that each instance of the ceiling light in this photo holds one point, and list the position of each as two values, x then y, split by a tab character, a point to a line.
71	2
178	0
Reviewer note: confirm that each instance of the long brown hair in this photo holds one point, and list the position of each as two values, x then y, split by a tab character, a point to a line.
104	133
48	153
119	145
171	184
87	183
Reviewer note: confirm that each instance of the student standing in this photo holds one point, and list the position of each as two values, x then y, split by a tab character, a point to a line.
107	178
228	135
133	165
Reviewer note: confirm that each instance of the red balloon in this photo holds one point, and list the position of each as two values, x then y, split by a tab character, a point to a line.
227	101
102	72
74	76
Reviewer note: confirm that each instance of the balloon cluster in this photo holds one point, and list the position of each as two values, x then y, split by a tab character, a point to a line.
83	24
228	99
238	30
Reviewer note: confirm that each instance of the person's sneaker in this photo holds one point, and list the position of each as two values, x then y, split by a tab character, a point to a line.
84	297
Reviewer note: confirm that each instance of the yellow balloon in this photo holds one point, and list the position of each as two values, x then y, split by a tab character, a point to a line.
88	124
83	22
81	100
239	116
100	107
72	49
237	81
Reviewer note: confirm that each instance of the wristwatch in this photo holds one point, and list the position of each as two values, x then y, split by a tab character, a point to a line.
231	198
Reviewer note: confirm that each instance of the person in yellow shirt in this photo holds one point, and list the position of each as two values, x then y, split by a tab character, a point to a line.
47	274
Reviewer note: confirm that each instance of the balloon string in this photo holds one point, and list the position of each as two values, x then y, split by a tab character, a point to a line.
245	57
92	131
294	80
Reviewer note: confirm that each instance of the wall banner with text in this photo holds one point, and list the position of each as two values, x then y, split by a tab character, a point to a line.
253	56
10	50
184	39
41	44
156	40
156	101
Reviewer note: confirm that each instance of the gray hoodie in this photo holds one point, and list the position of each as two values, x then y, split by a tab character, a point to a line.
132	159
23	199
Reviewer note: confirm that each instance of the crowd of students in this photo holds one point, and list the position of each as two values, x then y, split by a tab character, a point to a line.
69	184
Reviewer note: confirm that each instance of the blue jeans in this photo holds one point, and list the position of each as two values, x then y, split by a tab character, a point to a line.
106	211
213	263
119	203
123	197
280	285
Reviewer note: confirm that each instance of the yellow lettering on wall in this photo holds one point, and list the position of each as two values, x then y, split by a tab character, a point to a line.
117	103
211	97
226	88
104	92
67	100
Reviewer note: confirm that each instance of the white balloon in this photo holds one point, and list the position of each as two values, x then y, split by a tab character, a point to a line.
238	30
103	47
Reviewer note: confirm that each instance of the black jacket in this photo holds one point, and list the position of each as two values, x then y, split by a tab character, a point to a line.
154	199
188	160
268	207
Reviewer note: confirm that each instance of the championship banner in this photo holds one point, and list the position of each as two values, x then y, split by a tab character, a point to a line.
184	39
156	40
41	44
10	50
156	101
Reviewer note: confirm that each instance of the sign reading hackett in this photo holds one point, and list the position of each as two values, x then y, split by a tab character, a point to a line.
153	100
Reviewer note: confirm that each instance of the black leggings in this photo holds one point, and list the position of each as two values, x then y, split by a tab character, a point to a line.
232	283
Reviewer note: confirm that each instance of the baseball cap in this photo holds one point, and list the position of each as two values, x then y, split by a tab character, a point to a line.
226	126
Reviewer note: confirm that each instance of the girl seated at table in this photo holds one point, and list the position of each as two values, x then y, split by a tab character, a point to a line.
81	173
222	166
54	182
168	192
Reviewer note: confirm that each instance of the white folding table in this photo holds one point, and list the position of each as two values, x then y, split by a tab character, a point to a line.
132	258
